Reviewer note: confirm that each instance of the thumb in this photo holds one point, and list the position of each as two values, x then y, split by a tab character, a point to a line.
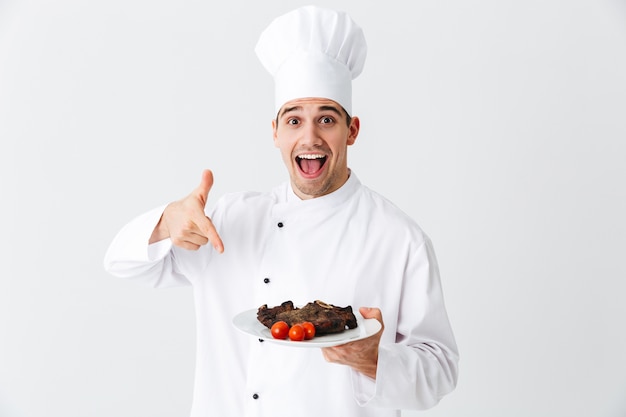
371	313
202	191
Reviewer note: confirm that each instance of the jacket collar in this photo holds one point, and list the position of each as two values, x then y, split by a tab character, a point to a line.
329	200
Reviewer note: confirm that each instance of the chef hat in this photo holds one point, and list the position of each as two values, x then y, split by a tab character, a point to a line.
313	52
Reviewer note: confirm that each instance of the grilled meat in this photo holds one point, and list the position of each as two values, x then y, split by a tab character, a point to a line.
326	318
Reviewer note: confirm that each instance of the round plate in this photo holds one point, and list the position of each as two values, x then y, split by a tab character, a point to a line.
247	322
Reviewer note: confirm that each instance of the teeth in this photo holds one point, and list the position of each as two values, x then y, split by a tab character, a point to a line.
311	156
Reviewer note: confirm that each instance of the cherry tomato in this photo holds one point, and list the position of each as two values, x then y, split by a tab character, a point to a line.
280	330
309	330
296	333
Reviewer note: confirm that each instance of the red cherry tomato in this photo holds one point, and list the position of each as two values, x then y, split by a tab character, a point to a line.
296	333
280	330
309	330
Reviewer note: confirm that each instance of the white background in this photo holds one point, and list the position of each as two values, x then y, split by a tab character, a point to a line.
499	126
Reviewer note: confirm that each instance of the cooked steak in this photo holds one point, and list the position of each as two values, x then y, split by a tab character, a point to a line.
326	318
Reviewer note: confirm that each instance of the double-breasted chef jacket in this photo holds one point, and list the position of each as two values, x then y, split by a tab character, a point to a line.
350	247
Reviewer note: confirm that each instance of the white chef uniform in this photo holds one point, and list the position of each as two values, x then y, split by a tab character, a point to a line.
350	247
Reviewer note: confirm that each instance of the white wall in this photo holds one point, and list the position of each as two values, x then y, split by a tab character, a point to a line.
499	126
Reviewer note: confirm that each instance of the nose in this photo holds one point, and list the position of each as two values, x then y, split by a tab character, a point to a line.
310	135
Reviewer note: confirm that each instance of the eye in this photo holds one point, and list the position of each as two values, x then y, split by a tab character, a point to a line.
293	121
326	120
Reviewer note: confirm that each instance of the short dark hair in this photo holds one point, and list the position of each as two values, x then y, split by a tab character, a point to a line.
348	117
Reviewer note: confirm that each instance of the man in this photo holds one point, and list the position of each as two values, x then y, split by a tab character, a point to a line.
320	236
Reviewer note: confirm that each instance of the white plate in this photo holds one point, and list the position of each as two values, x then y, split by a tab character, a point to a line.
247	322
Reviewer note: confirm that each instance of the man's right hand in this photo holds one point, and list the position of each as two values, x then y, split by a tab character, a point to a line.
185	223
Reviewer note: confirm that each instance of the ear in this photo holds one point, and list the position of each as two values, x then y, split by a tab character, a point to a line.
275	132
353	130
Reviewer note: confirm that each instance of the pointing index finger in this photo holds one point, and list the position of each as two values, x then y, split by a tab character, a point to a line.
208	229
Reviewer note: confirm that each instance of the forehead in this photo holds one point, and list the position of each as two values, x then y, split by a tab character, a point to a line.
310	104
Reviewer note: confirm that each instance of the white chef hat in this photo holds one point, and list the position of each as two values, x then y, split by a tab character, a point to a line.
313	52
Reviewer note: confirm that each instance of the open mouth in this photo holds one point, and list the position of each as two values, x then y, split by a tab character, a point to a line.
312	163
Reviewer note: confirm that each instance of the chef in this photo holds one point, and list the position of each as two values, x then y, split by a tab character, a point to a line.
321	235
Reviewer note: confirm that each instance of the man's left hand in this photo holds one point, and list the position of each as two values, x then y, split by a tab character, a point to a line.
361	355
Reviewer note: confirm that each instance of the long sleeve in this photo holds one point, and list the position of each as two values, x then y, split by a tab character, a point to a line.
131	256
421	366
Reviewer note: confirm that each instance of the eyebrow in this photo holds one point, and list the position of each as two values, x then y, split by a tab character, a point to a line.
320	108
332	109
289	109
